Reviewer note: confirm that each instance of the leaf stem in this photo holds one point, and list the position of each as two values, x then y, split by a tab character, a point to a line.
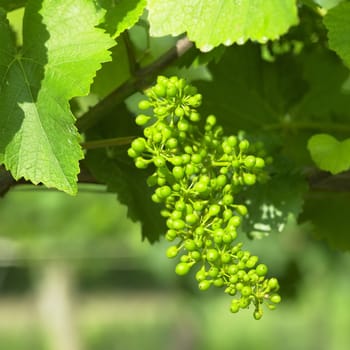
133	64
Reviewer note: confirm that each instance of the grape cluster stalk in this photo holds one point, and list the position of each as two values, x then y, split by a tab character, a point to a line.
198	172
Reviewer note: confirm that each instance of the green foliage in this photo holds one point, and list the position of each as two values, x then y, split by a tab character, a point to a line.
37	83
284	79
337	22
229	21
330	154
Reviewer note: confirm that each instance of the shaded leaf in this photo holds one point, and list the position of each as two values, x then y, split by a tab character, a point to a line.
10	5
121	177
329	215
271	204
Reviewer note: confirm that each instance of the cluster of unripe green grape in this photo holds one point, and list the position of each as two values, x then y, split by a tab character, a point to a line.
198	172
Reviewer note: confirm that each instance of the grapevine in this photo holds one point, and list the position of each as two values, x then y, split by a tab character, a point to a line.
198	172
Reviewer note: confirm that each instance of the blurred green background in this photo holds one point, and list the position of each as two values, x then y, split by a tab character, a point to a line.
75	275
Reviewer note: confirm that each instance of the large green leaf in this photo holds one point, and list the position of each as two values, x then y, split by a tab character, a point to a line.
210	23
337	22
62	50
330	154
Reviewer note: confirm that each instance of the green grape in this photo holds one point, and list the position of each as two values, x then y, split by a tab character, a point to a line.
249	179
141	163
179	112
144	104
250	161
183	125
213	271
273	284
211	120
259	162
251	262
163	191
171	235
159	90
235	306
242	209
261	269
132	153
172	143
172	252
258	314
142	119
204	285
195	117
244	145
219	282
246	291
228	199
198	174
214	210
232	141
212	255
159	162
178	172
275	298
182	268
190	245
171	90
191	218
201	275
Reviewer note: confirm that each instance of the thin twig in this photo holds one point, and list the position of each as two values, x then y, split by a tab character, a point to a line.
117	141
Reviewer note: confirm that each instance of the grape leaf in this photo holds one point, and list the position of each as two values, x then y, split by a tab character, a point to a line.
122	14
61	52
210	23
121	176
337	22
330	154
329	214
248	92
